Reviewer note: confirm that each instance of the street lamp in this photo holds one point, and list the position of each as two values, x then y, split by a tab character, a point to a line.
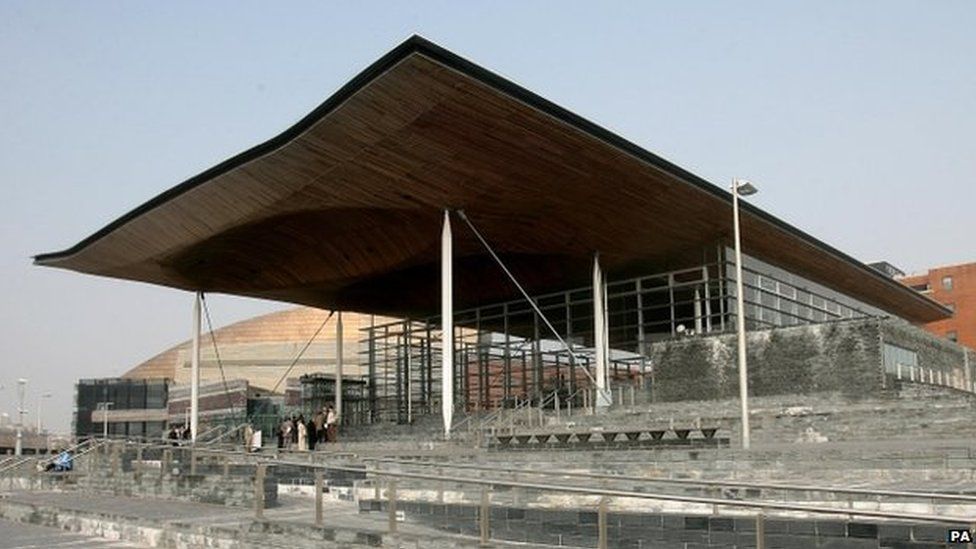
103	406
40	399
21	387
741	187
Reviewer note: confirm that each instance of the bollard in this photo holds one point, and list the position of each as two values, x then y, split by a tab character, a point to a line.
601	522
318	499
90	465
760	531
137	467
484	518
259	474
164	465
391	501
114	459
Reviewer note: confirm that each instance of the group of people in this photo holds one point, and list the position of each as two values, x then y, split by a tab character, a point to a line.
178	433
297	433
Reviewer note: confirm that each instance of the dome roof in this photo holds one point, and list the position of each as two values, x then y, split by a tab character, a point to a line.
273	339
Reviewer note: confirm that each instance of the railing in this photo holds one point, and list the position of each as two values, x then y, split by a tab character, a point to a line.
494	477
484	515
232	431
489	422
932	496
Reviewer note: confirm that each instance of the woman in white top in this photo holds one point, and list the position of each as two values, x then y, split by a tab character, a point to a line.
302	435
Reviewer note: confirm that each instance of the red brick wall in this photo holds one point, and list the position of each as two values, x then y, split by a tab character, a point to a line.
962	296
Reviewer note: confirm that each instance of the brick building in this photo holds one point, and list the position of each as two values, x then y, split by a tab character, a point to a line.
955	287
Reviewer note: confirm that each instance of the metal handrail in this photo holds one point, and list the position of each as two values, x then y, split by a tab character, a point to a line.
77	450
597	491
585	490
627	478
208	431
17	462
688	482
225	434
494	416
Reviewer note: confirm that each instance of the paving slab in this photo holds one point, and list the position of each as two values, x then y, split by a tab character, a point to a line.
17	535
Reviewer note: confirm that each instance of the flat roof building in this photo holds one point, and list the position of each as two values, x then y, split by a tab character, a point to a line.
955	287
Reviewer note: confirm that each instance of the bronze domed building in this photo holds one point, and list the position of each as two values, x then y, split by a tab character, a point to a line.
254	365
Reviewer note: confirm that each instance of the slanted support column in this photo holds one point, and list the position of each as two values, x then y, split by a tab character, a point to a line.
447	326
195	370
600	335
339	360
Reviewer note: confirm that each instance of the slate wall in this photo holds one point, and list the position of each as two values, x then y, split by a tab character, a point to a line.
839	356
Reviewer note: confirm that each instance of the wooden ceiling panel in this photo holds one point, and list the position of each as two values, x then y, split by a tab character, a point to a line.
344	208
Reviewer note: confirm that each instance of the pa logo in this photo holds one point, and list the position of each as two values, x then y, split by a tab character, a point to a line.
959	535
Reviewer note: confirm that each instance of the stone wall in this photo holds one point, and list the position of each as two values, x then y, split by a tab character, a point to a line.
840	357
123	475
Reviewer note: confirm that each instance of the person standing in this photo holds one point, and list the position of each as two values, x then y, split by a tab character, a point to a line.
284	433
293	429
330	424
302	433
310	431
248	438
319	421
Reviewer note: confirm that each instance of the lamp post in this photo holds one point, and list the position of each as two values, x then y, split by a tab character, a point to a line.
741	187
103	406
21	387
40	399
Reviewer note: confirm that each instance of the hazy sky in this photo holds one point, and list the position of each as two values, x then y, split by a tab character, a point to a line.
857	119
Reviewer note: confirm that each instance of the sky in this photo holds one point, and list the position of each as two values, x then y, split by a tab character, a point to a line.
856	119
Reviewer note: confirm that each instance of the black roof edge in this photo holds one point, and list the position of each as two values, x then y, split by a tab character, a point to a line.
419	44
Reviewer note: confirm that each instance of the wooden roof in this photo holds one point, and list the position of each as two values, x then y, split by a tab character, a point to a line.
343	210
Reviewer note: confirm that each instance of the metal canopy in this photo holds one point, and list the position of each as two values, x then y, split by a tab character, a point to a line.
343	210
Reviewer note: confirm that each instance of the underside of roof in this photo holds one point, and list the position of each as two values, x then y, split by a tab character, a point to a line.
343	209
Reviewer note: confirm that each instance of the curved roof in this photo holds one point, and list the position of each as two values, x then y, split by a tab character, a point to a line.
252	342
343	209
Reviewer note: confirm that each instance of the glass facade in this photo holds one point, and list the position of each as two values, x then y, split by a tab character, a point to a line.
777	298
900	362
123	394
507	353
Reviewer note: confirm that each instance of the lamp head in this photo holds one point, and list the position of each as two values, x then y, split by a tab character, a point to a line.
744	187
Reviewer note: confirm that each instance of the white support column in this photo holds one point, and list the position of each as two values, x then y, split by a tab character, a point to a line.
447	326
698	312
600	335
339	364
195	370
